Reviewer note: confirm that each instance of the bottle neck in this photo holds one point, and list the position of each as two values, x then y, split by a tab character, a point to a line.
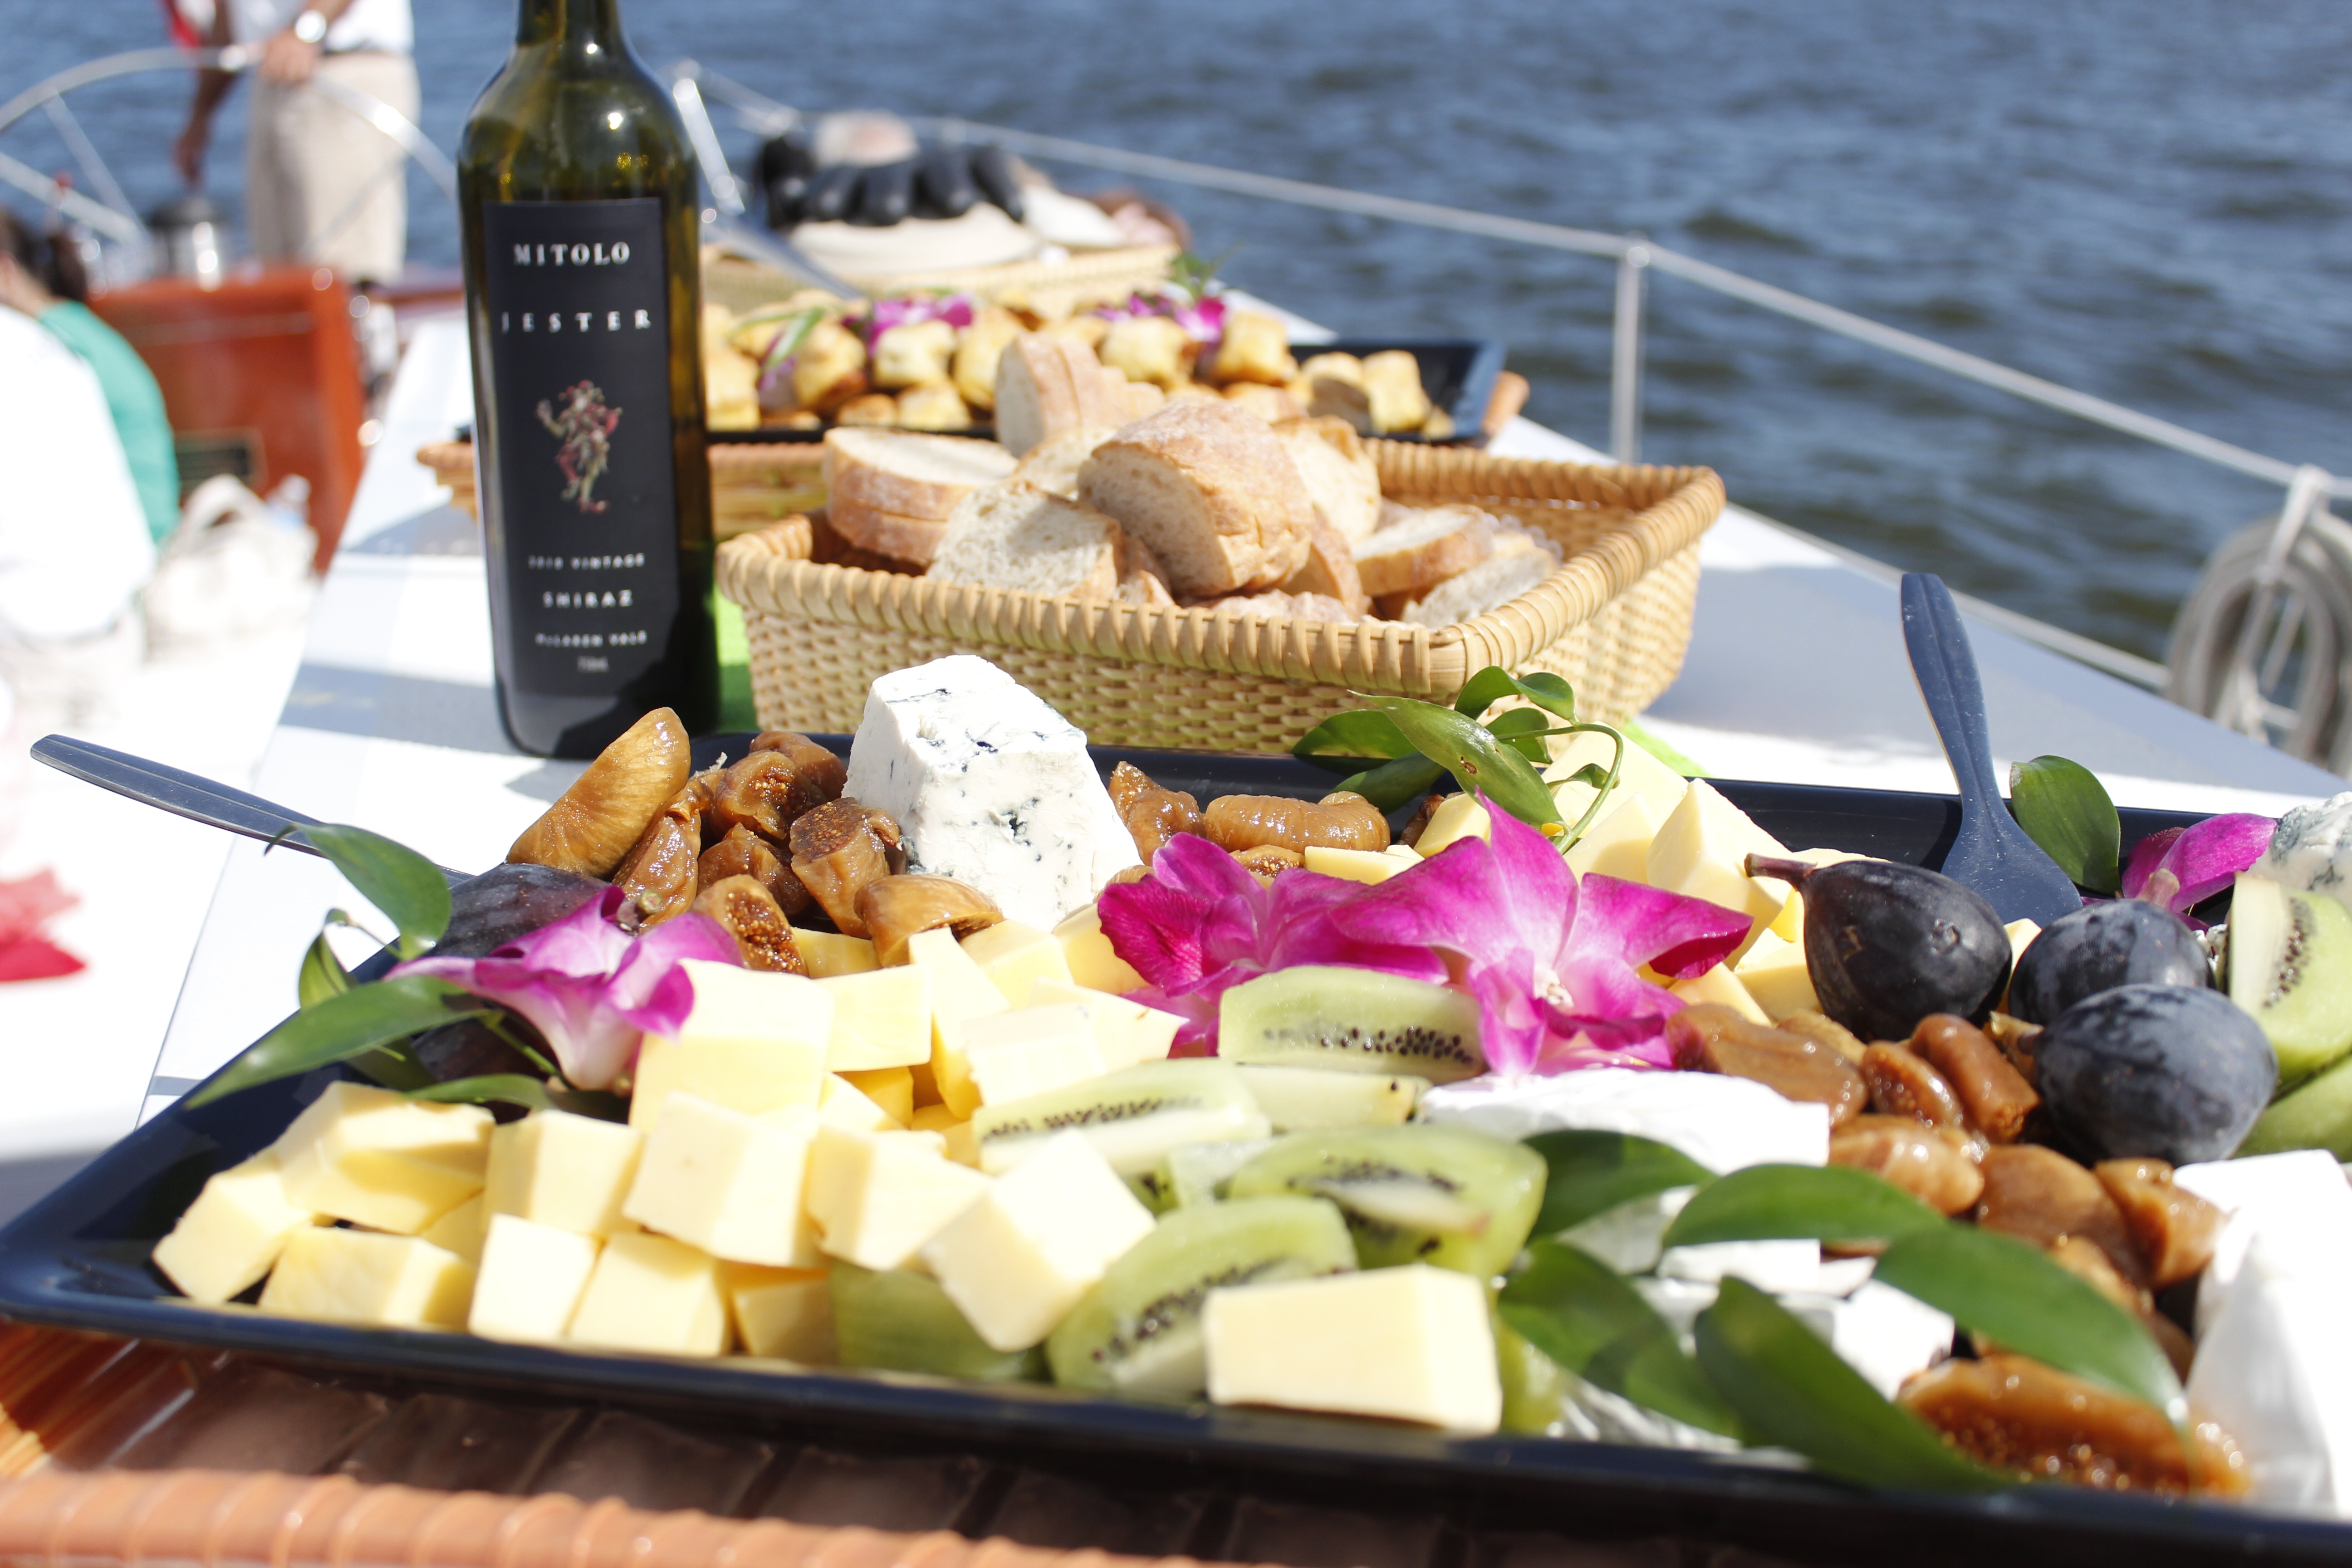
572	25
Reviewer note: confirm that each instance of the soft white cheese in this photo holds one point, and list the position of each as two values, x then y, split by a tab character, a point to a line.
988	785
2299	1200
2309	850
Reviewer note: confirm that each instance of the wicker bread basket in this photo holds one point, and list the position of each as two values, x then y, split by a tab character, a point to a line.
1613	619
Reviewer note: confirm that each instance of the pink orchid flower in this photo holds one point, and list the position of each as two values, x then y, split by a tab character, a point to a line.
589	987
2203	858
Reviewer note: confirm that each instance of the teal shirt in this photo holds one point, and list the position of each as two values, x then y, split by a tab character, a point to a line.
137	404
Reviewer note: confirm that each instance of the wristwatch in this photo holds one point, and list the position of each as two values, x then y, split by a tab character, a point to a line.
309	26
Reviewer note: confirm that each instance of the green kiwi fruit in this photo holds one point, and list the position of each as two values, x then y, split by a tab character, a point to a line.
1304	1100
1416	1194
1133	1116
1196	1173
898	1321
1360	1020
2291	966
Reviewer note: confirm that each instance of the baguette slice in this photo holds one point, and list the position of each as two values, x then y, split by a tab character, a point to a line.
1047	383
1341	477
1329	569
826	547
887	535
1495	581
907	474
1016	535
1053	465
1297	606
1211	490
1418	552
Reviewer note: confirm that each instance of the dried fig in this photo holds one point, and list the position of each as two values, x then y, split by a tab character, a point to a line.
1338	821
892	909
838	850
762	933
1720	1040
1267	861
1930	1163
1902	1084
771	790
2041	1196
743	853
1995	1095
2174	1228
659	874
592	825
1152	815
825	772
2040	1424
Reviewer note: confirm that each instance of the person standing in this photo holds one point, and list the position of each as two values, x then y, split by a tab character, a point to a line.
322	184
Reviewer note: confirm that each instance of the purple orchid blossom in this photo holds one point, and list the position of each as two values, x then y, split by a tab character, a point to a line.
913	309
2203	858
588	986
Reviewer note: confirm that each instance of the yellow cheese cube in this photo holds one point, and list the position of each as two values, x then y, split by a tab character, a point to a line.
729	1182
1699	850
463	1228
377	1159
892	1088
1619	844
2021	934
756	1041
1088	953
781	1312
841	1103
877	1196
1126	1032
1789	925
931	1119
368	1276
961	991
1018	1259
650	1293
827	953
531	1280
567	1170
1641	777
1411	1344
1775	975
1017	1055
881	1018
1457	816
1722	987
957	1141
1369	865
1015	957
232	1232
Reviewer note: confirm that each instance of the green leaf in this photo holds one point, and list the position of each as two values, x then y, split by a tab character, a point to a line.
1585	1316
501	1088
1479	762
1664	753
1593	1172
1492	684
394	878
2065	808
1592	775
1999	1287
323	973
1358	732
1523	729
1825	1203
393	1066
340	1028
1392	785
1791	1391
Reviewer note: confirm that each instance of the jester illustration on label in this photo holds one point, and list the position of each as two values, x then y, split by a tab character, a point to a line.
583	431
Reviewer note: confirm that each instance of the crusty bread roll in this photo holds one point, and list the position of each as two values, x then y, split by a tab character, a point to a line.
1333	387
1497	580
1423	550
891	491
1053	465
1341	477
829	369
874	410
933	407
975	357
1255	347
1210	489
1148	348
1392	391
1047	385
1270	404
913	353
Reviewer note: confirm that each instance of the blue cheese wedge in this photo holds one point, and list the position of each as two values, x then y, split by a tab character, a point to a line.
988	785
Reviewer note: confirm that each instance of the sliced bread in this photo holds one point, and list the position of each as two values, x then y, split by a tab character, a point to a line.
908	474
1016	535
1417	551
1341	477
1053	465
1047	383
1210	489
827	547
1329	569
1497	580
890	535
1297	607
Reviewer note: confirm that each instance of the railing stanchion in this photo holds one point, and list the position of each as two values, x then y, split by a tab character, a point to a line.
1625	353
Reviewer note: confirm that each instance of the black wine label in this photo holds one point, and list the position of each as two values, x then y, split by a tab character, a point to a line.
579	324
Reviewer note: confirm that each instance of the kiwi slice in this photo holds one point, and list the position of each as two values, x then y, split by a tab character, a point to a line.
1133	1116
1139	1330
1417	1193
2318	1115
902	1321
2291	967
1196	1173
1305	1099
1360	1020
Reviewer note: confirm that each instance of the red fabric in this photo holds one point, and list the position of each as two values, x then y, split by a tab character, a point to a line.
183	32
25	906
36	958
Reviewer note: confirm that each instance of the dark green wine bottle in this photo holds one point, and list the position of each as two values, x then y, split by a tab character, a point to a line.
583	294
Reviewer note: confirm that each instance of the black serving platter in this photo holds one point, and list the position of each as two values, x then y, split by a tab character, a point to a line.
79	1260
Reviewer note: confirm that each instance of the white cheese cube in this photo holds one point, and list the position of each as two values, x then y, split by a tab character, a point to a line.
232	1232
877	1196
2300	1201
1776	978
781	1312
1720	987
378	1159
1370	867
1016	1055
1018	1259
1619	844
1888	1336
728	1183
828	953
1410	1344
1699	852
1457	816
756	1041
567	1170
463	1229
1015	957
368	1277
1641	777
650	1293
531	1280
989	786
961	991
842	1103
881	1018
1127	1033
2275	1370
1088	953
1725	1123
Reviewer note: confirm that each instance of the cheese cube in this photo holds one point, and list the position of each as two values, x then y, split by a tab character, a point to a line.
1789	925
2021	933
828	953
1018	1259
2273	1369
1774	975
378	1159
989	786
961	991
841	1103
781	1312
231	1235
891	1088
1457	816
1640	777
1619	844
463	1229
756	1041
1015	957
1371	867
1722	987
567	1170
531	1280
877	1196
368	1276
881	1018
1411	1344
1126	1032
1088	953
650	1293
1699	852
1016	1055
729	1183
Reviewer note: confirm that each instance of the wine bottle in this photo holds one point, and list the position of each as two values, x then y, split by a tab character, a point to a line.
584	296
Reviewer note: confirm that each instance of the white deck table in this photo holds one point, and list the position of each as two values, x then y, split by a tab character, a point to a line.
1796	673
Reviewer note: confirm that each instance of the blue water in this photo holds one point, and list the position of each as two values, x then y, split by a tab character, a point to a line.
2152	202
